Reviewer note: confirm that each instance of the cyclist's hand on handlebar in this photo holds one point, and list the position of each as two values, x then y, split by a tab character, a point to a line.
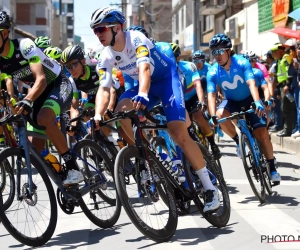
140	101
24	106
268	104
213	121
202	106
259	109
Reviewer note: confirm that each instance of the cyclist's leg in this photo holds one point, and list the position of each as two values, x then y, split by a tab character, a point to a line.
171	94
58	101
261	134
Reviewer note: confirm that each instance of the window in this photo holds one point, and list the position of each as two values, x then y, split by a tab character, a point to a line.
182	19
70	20
40	33
70	8
177	24
40	11
70	34
208	23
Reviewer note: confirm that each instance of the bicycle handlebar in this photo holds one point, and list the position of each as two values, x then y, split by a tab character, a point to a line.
88	112
18	118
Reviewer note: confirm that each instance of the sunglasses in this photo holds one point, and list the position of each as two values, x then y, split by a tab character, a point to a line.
198	61
102	29
253	60
72	65
216	52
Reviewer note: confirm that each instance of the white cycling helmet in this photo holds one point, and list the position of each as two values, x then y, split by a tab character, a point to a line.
251	54
106	15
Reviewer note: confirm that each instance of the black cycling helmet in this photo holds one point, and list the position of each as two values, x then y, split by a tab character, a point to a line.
220	41
138	28
198	55
5	22
71	53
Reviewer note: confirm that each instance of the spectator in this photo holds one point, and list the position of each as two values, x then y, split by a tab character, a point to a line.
287	106
278	120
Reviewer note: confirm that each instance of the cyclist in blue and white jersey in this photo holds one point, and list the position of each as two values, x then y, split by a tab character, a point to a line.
193	94
134	54
235	77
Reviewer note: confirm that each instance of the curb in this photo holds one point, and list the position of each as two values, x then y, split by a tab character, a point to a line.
286	143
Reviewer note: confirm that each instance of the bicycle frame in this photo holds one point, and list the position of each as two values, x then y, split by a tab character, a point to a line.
30	150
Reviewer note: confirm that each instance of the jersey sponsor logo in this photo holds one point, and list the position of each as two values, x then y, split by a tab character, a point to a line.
137	41
102	74
242	61
193	67
160	59
48	63
128	66
227	85
172	99
34	59
54	97
23	62
48	104
28	49
22	73
142	51
213	72
164	47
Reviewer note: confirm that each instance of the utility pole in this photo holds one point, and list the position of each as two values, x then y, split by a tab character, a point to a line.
195	24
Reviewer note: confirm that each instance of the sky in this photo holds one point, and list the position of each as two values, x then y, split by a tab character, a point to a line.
83	10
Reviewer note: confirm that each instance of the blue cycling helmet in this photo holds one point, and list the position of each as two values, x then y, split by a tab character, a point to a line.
138	28
106	15
221	41
199	54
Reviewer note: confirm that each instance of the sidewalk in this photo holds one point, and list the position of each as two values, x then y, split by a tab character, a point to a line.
286	143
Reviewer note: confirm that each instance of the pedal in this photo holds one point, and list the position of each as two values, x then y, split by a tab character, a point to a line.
71	186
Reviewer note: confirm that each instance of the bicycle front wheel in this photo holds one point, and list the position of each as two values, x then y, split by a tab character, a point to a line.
31	219
151	216
7	183
101	205
253	171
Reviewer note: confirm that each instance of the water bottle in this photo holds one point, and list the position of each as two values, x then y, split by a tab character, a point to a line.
51	159
290	97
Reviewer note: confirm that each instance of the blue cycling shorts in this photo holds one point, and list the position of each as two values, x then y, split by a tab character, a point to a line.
169	92
238	106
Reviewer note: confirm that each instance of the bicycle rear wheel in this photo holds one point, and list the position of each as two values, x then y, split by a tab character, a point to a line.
7	183
160	222
31	219
101	205
253	172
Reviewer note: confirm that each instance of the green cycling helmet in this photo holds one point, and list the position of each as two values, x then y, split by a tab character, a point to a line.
43	42
53	52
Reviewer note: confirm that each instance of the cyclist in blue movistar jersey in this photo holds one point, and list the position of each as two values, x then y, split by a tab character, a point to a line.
134	54
235	77
193	94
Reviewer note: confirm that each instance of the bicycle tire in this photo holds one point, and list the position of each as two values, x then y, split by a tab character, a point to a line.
159	235
46	236
7	170
108	222
216	220
260	195
267	178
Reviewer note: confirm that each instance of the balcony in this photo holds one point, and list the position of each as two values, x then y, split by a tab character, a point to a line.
212	7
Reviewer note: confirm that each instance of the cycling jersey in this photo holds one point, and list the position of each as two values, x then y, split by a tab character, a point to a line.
166	48
263	69
202	73
89	84
260	81
22	53
165	85
138	49
233	83
191	74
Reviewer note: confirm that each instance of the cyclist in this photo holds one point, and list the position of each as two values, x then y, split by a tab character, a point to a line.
50	95
42	42
198	94
134	54
255	64
235	77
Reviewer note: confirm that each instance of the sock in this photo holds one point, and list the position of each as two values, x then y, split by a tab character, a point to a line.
236	139
70	162
272	165
211	139
205	180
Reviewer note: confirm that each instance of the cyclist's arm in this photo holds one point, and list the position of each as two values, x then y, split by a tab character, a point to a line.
84	95
211	90
266	90
112	99
30	52
144	77
74	110
10	87
199	90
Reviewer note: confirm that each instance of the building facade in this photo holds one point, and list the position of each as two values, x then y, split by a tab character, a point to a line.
34	16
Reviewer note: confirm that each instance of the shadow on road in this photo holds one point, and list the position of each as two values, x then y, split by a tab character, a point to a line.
79	238
287	165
